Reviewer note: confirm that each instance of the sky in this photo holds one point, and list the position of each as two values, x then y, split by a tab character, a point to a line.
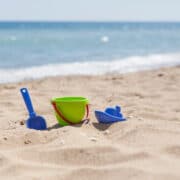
90	10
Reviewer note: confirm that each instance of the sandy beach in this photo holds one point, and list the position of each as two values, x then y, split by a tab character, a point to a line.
146	146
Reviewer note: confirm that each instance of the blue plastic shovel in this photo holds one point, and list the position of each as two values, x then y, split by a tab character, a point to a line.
34	121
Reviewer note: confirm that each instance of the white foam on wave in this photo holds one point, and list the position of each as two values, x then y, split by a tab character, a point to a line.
105	39
131	64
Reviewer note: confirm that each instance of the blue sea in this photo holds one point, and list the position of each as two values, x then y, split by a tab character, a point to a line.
31	50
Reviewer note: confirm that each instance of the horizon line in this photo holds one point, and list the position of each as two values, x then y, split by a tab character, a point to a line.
89	21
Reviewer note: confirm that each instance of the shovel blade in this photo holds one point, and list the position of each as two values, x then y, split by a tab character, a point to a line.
37	123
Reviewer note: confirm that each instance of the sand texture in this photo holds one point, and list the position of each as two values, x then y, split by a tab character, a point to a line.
146	146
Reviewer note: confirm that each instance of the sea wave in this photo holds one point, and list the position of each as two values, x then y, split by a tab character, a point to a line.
130	64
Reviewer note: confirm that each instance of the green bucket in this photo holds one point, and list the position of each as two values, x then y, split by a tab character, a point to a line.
70	110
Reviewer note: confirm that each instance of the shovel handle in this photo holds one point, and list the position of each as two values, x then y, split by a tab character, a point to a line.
27	101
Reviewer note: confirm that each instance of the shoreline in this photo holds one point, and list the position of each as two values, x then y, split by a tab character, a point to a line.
124	65
146	145
30	80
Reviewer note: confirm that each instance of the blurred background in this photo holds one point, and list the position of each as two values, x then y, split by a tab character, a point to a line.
61	37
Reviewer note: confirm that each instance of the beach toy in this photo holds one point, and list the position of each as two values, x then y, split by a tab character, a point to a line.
110	115
70	110
34	121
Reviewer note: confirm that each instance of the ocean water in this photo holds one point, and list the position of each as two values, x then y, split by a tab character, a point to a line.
30	50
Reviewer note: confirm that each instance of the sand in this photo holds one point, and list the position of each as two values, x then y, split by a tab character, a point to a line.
146	146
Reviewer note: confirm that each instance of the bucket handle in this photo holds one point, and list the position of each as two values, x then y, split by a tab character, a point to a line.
65	119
